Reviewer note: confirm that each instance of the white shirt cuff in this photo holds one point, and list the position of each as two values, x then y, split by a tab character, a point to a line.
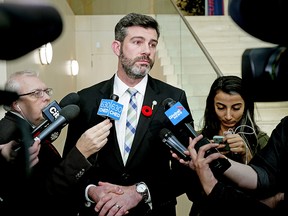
149	201
86	193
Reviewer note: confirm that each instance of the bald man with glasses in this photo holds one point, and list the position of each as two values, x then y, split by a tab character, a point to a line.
51	178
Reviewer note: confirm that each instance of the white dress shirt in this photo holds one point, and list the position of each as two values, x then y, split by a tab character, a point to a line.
124	97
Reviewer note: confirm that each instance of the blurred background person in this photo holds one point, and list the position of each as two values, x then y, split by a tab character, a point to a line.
49	180
229	113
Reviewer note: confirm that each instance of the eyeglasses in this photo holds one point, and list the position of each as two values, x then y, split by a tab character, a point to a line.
39	93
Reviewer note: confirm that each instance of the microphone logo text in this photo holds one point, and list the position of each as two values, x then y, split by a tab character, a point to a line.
176	113
110	108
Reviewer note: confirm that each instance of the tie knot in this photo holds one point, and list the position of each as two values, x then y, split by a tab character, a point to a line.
132	91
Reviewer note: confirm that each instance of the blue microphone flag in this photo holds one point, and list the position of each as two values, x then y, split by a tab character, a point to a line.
176	113
110	108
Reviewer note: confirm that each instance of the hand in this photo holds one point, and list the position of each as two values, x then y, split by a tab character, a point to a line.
273	201
34	152
182	161
7	150
98	192
118	204
200	163
93	139
10	154
238	146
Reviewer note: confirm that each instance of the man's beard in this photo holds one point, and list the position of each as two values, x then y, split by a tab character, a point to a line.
132	70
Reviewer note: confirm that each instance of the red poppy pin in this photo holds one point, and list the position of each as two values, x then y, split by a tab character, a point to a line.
147	110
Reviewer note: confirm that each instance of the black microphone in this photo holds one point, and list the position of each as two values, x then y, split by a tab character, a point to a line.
7	97
261	19
114	97
53	112
67	114
177	114
71	98
25	27
26	141
173	143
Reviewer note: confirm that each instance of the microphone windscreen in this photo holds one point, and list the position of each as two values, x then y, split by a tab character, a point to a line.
114	97
7	97
25	27
163	132
168	103
263	19
71	98
70	112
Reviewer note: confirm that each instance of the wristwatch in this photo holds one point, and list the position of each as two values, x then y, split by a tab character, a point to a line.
142	189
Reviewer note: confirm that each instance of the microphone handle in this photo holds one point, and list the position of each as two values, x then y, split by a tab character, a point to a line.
191	129
59	122
115	98
175	145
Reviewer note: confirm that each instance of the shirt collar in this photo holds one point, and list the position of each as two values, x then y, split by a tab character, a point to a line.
120	87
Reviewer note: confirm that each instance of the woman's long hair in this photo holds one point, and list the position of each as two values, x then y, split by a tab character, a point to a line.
246	126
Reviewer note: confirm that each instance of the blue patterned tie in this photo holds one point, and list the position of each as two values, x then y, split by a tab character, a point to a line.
131	123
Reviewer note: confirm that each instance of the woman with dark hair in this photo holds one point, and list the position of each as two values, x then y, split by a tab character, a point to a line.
229	114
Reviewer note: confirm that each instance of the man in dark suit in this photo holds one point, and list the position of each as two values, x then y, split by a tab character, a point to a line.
150	178
37	176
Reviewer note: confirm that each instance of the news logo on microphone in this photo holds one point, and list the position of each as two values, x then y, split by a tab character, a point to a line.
66	114
176	113
51	112
110	108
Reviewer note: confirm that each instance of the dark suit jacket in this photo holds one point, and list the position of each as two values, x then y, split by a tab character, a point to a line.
47	185
149	159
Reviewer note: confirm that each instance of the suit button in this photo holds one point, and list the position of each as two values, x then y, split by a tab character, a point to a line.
80	174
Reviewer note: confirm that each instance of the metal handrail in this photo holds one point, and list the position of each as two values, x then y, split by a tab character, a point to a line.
198	41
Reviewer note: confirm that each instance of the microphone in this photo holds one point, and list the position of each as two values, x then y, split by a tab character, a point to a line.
110	108
173	143
52	112
25	27
177	114
261	19
114	97
7	97
66	114
71	98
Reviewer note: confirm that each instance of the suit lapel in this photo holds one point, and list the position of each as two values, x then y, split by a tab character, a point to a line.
151	94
